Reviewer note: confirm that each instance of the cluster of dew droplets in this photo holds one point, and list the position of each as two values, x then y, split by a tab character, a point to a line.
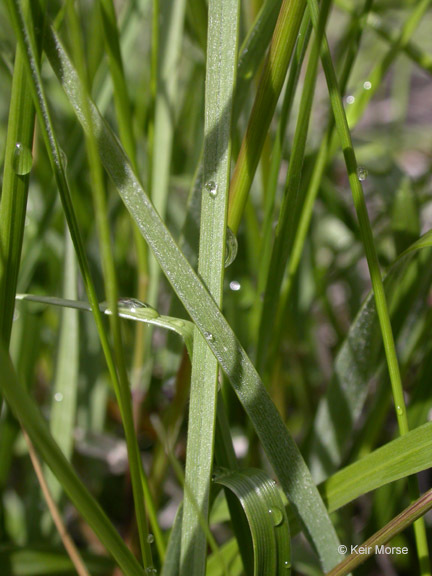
22	159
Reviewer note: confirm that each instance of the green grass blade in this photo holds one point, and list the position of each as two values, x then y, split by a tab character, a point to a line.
253	49
283	453
266	517
16	176
64	393
397	459
271	82
32	422
222	38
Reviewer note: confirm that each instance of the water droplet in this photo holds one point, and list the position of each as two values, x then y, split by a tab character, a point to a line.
209	336
58	396
150	539
22	159
276	515
231	247
350	99
133	304
399	410
362	173
367	85
211	188
287	565
63	158
235	286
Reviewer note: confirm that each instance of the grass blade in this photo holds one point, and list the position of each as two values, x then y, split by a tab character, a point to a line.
222	41
266	516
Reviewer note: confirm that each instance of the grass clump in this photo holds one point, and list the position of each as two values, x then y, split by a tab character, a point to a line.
256	355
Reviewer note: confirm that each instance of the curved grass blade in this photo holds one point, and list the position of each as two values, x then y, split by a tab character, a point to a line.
265	512
25	410
283	453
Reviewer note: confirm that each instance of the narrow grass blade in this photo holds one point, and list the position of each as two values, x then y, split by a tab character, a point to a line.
222	39
64	393
47	561
253	49
283	454
128	308
17	166
376	543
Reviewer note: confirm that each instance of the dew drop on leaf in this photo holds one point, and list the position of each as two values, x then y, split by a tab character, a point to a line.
22	159
276	515
231	247
362	173
211	188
